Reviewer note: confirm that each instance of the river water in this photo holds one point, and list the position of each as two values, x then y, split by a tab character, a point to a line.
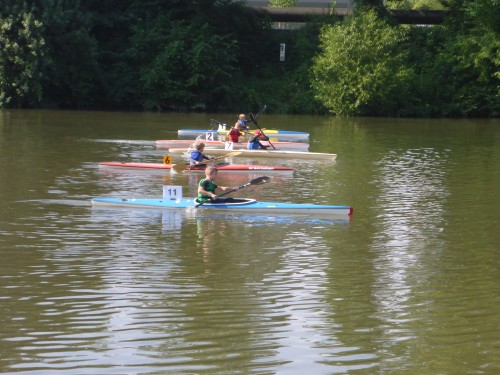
409	285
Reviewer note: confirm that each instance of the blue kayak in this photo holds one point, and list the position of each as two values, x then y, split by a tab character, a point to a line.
231	204
273	133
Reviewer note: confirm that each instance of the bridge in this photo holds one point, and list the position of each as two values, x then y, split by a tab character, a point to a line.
304	14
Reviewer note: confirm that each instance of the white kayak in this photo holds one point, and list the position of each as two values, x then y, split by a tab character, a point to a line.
167	143
269	153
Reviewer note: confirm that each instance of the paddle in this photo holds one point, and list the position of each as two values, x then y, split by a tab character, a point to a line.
214	123
255	181
262	110
257	115
180	167
254	120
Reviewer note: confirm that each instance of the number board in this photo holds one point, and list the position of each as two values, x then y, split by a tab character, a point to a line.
173	192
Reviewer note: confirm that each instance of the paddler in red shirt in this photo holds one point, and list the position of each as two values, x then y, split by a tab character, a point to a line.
235	133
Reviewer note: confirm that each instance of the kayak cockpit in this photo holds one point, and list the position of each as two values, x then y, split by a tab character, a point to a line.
229	202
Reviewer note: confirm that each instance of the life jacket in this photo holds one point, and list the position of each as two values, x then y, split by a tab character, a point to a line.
255	145
243	124
196	156
207	185
234	135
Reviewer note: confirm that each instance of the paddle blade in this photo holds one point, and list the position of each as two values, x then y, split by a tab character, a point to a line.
252	117
178	167
235	153
260	180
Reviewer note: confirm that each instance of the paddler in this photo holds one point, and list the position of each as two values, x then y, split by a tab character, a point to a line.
254	142
235	133
243	122
197	155
207	187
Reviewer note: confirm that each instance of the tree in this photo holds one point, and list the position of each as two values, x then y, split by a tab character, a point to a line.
185	56
361	69
468	65
22	48
282	3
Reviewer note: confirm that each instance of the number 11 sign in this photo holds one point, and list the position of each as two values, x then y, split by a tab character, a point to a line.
172	192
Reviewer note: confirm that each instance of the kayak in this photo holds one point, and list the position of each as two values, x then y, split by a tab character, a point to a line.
222	167
166	143
276	133
269	153
232	204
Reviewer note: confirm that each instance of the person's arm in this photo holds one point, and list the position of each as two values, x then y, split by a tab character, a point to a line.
193	157
207	193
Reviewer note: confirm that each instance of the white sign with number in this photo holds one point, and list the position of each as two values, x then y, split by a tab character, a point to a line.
229	146
173	192
209	136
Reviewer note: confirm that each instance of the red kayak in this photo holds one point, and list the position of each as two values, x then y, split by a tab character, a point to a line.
222	167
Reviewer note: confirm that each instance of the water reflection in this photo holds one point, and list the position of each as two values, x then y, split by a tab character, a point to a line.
410	216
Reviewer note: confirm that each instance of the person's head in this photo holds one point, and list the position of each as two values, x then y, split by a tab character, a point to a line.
257	132
200	146
211	172
241	117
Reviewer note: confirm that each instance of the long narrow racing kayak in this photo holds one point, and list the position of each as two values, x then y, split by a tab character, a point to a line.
166	143
222	167
275	133
232	204
269	153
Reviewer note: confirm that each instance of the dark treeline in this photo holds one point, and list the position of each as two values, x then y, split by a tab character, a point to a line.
220	56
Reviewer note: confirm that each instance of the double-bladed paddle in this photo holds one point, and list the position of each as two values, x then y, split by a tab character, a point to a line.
256	116
214	123
181	167
255	181
262	110
254	120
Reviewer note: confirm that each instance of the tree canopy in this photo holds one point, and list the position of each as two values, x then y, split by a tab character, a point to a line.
219	56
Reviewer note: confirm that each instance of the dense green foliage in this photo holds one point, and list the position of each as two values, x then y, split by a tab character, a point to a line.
22	50
362	66
370	66
416	4
220	56
282	3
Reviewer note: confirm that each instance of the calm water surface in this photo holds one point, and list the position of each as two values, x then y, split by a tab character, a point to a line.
410	285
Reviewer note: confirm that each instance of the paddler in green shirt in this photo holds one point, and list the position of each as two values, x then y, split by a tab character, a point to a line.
207	186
